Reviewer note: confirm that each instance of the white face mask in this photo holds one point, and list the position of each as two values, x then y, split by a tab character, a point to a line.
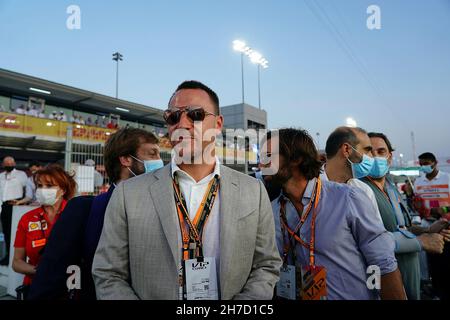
46	197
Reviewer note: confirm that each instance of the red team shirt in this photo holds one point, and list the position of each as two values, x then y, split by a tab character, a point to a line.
32	234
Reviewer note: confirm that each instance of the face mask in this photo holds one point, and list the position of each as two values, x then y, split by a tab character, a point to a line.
150	165
362	169
427	169
380	168
46	197
9	168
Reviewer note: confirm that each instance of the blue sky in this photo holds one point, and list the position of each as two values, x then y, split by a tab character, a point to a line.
311	81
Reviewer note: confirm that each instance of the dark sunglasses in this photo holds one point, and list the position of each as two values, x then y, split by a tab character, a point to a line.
173	116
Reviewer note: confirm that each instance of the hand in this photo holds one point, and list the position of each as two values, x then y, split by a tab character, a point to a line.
446	233
432	242
438	226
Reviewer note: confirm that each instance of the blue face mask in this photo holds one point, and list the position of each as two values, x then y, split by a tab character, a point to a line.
426	169
152	165
380	168
362	169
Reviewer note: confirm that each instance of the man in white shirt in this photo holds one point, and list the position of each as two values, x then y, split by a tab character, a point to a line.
42	114
346	149
34	112
432	189
30	188
98	178
20	110
152	247
432	200
62	116
12	187
53	116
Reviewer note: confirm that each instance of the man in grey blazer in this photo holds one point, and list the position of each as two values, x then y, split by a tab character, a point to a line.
140	252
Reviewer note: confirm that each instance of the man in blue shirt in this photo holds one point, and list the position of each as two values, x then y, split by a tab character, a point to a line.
348	236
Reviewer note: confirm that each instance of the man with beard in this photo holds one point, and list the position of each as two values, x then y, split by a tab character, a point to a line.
409	239
272	190
129	152
326	234
349	155
194	229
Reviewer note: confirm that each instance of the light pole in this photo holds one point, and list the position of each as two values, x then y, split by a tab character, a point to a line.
241	47
117	57
255	57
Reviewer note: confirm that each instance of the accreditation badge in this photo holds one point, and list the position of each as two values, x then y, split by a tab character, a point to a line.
286	286
313	283
201	279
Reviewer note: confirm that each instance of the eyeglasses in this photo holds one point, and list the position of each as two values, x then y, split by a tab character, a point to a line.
173	116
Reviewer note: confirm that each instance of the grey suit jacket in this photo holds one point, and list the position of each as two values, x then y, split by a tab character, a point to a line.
138	254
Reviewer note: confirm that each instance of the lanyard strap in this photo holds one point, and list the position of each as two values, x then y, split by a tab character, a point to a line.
293	233
391	198
192	231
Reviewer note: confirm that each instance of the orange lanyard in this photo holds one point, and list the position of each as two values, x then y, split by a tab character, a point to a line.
293	233
191	231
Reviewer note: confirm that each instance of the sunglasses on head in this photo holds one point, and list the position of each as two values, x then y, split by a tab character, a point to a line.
173	116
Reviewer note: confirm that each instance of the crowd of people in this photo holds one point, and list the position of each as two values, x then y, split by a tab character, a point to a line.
302	228
35	111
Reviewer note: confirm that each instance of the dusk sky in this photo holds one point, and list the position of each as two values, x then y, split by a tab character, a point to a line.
324	63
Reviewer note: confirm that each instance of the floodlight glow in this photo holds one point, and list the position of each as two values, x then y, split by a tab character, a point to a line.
255	57
239	45
351	122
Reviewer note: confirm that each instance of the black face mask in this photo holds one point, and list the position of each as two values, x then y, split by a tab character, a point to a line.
9	169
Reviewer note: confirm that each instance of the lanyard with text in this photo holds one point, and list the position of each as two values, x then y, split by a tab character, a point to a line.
293	233
192	231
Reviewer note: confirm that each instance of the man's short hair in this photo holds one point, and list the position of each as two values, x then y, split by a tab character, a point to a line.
122	143
34	163
192	84
428	156
382	136
297	144
340	136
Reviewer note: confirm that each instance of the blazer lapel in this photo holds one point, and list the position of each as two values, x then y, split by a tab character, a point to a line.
229	195
161	192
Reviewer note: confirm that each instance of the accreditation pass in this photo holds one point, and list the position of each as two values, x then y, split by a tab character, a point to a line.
201	279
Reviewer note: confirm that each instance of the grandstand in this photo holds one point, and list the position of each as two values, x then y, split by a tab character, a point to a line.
35	115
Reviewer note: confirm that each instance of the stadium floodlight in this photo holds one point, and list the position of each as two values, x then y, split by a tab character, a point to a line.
117	57
239	45
350	122
40	90
256	58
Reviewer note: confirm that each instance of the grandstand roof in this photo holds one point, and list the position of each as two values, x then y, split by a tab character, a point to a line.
14	83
